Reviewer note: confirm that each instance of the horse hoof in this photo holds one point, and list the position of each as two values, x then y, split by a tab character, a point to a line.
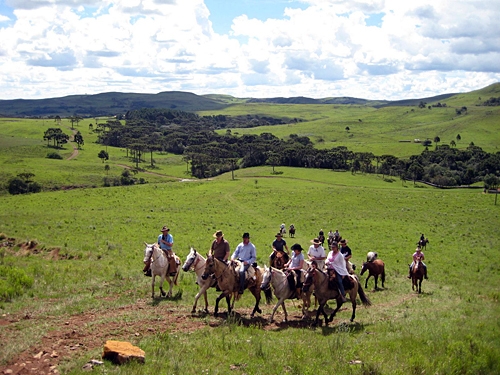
193	311
259	311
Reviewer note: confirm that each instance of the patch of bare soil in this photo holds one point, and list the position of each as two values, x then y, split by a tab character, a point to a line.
77	335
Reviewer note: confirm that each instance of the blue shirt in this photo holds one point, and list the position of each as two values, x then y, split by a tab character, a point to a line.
245	253
295	262
167	238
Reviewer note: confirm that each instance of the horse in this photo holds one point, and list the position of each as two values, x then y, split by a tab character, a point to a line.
375	268
282	231
423	243
159	267
291	231
333	239
228	281
196	262
279	282
280	259
323	293
417	275
321	239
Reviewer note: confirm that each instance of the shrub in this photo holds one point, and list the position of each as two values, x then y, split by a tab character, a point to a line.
54	155
13	282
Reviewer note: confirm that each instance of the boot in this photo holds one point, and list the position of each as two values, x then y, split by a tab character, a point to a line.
342	297
172	267
409	274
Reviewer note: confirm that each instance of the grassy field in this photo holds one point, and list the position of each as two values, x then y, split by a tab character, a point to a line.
87	248
451	328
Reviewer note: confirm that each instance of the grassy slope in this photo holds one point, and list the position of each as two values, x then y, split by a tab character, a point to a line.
453	323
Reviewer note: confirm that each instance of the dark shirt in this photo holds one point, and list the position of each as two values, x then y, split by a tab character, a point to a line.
345	250
279	245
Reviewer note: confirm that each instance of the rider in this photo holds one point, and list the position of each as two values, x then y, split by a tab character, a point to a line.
165	241
282	228
336	235
418	255
331	236
295	264
220	247
246	253
422	238
335	265
347	253
321	236
279	244
317	253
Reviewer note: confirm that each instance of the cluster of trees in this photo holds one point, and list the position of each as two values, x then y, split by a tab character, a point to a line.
209	153
492	102
23	183
56	136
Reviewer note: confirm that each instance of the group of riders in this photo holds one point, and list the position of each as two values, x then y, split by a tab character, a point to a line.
336	263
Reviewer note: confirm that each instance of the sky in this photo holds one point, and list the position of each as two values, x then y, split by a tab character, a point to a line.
371	49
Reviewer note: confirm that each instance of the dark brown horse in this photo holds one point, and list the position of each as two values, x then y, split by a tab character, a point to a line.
323	293
423	243
374	268
417	275
280	259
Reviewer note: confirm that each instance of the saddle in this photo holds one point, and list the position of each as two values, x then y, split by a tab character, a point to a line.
250	272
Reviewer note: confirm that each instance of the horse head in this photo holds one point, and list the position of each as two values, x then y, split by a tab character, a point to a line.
148	251
266	278
364	268
209	267
309	279
190	260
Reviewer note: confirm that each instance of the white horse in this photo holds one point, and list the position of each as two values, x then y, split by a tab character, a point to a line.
159	267
196	262
278	279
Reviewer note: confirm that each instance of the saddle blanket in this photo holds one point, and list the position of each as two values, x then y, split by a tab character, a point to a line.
250	274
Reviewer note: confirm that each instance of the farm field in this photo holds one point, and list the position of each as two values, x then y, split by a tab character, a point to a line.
89	288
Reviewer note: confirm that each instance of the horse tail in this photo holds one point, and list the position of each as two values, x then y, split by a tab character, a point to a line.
269	295
364	298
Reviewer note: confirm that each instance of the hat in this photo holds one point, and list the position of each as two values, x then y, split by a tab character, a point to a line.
316	241
297	247
418	248
218	234
343	241
165	228
334	243
278	235
246	235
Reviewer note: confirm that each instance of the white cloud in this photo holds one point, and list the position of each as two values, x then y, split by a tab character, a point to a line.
419	48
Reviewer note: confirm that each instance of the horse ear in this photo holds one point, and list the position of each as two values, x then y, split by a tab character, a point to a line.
145	243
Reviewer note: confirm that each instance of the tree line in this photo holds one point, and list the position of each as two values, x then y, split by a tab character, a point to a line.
209	154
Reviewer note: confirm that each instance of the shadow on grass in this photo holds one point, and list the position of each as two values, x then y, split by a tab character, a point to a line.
158	299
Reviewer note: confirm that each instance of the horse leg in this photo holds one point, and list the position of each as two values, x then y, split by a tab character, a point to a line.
216	310
353	294
228	301
203	290
171	284
366	281
276	308
376	280
256	293
334	312
153	286
319	311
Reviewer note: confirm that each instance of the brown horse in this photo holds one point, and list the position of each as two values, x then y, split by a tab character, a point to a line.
374	268
322	291
417	275
423	243
229	284
279	260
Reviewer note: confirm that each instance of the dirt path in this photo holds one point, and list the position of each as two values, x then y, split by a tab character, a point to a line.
74	154
76	335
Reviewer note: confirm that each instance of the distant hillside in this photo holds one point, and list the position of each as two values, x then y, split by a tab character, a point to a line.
111	103
114	103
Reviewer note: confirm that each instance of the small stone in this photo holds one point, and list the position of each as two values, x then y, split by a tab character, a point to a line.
38	355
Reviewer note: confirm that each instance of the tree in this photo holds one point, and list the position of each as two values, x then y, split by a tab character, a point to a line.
416	171
491	182
78	139
23	184
273	159
453	144
437	140
103	155
107	168
347	129
458	137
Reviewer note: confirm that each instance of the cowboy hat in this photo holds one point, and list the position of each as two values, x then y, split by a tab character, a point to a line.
246	235
334	244
316	241
165	228
278	235
343	241
219	234
297	247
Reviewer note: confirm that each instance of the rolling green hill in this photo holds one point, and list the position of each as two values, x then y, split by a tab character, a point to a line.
114	103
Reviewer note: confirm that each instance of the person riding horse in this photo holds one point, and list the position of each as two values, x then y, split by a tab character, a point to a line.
418	255
337	270
294	266
246	253
165	241
316	253
279	246
291	230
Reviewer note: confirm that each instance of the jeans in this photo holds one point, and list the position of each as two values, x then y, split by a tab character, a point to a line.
243	269
341	284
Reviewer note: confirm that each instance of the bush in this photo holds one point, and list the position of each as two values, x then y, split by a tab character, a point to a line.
54	155
13	282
